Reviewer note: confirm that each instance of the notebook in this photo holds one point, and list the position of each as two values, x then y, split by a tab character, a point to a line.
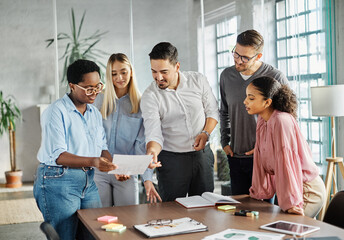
177	226
207	199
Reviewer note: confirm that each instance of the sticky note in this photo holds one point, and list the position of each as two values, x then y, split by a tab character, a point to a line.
107	219
226	207
119	230
112	226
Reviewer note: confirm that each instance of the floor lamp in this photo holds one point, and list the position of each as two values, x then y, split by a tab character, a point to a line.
329	101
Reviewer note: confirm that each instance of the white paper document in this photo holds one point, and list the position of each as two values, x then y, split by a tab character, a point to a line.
130	164
243	234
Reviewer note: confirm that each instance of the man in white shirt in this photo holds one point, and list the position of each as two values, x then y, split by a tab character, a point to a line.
179	112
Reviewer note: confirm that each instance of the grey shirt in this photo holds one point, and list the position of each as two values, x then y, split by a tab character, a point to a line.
238	128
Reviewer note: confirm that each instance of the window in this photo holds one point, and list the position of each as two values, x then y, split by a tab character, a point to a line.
219	38
300	50
219	42
226	33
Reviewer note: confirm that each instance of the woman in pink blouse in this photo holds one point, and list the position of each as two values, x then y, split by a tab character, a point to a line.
282	158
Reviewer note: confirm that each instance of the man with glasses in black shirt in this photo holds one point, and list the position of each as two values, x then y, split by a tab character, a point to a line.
238	128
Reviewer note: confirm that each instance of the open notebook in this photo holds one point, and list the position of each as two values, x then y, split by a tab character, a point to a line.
207	199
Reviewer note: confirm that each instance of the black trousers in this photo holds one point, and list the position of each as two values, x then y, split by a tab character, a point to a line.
189	173
240	171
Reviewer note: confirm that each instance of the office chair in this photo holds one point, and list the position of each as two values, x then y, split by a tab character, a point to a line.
49	231
335	211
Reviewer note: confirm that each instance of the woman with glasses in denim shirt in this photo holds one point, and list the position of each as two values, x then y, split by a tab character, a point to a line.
120	108
73	143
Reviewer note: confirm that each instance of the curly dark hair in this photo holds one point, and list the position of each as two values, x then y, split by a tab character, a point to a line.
282	96
76	71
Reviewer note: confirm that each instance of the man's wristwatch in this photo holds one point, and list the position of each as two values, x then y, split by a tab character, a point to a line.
208	135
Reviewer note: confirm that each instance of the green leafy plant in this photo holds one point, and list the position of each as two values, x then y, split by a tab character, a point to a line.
222	165
9	114
78	47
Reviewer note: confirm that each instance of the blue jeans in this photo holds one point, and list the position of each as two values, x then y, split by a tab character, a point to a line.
60	192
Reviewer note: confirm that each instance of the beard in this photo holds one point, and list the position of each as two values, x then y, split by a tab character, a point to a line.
241	68
162	84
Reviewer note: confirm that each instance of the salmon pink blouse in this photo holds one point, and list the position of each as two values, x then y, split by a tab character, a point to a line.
282	161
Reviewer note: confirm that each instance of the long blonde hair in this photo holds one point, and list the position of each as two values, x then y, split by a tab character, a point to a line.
109	103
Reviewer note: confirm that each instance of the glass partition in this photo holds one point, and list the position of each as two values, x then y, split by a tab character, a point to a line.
295	43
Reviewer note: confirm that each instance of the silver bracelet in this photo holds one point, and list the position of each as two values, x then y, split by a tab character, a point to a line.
208	135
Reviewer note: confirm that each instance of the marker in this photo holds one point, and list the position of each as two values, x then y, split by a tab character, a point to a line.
247	213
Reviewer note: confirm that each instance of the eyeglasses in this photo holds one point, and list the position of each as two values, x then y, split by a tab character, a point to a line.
91	90
159	222
243	58
167	223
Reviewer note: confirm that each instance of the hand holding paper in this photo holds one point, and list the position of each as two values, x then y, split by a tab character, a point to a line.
153	149
103	164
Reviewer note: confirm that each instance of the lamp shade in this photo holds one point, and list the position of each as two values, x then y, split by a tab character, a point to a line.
328	100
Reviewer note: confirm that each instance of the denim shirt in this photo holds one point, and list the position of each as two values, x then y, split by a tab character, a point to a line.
124	130
65	129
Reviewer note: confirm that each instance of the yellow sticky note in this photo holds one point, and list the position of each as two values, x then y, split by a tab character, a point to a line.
226	207
119	230
112	226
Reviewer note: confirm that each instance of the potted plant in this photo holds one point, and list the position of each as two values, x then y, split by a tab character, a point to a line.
9	113
78	47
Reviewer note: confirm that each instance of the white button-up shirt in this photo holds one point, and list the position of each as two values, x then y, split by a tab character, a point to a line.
173	118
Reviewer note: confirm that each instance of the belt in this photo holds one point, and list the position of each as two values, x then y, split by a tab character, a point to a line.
85	169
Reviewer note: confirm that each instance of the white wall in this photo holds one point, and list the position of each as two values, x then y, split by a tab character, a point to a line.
27	65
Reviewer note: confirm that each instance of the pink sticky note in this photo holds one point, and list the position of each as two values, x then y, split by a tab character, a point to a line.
107	219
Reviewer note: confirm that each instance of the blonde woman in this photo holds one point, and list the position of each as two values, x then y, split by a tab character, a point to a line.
119	105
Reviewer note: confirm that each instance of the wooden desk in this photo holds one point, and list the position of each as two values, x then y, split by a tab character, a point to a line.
215	220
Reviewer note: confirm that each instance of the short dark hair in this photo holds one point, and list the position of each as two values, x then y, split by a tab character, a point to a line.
251	38
77	69
282	96
164	50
